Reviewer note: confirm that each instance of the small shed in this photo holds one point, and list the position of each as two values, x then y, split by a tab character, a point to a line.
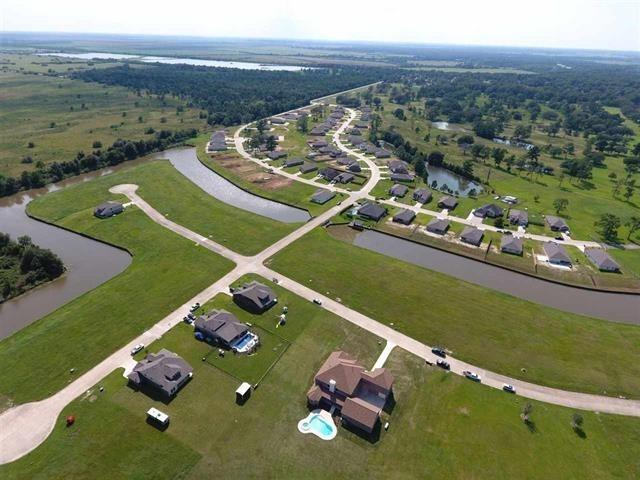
155	415
243	393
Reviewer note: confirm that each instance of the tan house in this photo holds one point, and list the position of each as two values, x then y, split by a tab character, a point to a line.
355	393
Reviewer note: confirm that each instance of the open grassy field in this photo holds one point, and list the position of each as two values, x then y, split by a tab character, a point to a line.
63	116
486	328
166	271
179	199
436	425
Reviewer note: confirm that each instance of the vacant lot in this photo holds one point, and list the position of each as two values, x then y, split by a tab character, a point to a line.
487	328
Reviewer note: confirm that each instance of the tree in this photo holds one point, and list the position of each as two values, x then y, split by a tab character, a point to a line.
526	412
435	158
510	160
617	185
608	225
633	224
498	155
577	421
522	132
303	124
271	143
499	222
629	188
261	126
560	204
399	114
467	168
533	154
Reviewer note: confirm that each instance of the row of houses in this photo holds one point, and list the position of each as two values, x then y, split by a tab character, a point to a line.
331	121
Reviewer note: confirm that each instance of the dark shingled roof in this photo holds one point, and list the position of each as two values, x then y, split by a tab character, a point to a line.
308	167
490	210
322	196
556	223
556	253
601	259
405	216
220	324
422	195
254	296
519	217
164	371
398	190
448	202
372	210
511	244
472	235
438	225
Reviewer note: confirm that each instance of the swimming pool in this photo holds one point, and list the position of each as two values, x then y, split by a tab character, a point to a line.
320	423
246	343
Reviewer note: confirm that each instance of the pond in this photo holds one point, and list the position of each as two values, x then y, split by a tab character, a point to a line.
450	127
617	307
186	162
452	180
178	61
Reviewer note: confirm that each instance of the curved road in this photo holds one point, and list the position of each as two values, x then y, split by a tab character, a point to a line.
24	427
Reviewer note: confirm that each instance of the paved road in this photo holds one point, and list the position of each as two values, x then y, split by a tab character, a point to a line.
24	427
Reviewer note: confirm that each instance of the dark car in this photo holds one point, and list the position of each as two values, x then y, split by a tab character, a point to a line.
443	364
439	351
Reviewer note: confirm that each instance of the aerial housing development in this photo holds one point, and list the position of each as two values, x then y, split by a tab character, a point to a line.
264	260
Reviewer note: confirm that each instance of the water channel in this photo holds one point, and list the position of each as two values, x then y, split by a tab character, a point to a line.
618	307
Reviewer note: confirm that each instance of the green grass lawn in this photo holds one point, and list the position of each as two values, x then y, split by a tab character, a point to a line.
487	328
180	200
48	111
441	426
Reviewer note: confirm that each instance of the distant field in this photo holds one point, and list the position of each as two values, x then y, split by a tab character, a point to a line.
62	117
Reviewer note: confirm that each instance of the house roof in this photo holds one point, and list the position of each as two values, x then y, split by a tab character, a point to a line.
329	173
448	202
601	259
322	196
488	210
405	216
344	177
165	370
422	195
556	222
221	324
360	411
472	235
379	377
256	293
308	167
518	216
511	243
343	369
398	190
372	210
402	177
438	224
108	205
556	253
397	166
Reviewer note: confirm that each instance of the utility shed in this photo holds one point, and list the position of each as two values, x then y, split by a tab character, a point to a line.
157	416
243	393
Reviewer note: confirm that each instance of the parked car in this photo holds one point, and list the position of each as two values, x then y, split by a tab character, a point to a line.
509	388
317	301
559	237
138	348
439	351
195	307
443	364
471	375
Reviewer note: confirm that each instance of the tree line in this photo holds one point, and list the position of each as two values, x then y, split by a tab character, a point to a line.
233	96
120	151
24	265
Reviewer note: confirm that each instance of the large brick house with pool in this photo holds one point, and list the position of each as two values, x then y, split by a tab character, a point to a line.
358	395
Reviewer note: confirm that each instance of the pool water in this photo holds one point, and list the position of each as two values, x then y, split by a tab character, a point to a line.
244	341
318	424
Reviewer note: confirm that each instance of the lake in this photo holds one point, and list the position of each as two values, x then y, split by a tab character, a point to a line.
178	61
452	180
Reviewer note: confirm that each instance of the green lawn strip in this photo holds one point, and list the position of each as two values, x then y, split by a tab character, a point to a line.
486	328
107	441
297	193
441	425
175	196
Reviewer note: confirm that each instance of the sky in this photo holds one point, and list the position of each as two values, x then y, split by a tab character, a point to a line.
587	24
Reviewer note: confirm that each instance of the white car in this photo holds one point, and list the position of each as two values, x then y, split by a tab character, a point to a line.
138	348
509	388
471	375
